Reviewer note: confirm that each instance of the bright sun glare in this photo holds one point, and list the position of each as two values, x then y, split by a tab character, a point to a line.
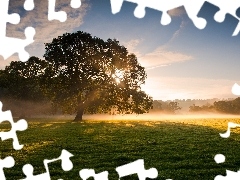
118	76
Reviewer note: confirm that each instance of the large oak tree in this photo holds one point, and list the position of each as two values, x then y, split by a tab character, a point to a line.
89	75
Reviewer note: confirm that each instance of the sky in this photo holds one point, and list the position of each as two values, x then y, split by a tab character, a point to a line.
181	61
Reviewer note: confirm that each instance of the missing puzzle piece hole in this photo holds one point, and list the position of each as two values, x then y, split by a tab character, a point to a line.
29	33
116	6
200	23
75	3
139	12
22	124
14	18
166	19
8	162
29	5
219	158
27	169
219	17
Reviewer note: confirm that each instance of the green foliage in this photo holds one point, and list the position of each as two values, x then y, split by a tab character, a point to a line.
205	108
173	106
157	106
166	107
232	107
89	74
227	107
20	80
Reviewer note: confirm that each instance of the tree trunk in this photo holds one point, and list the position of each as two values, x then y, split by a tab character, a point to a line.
79	115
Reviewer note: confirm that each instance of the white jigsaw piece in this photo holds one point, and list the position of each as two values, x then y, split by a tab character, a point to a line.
10	45
87	173
236	89
66	164
20	125
192	9
137	167
230	126
230	175
7	162
60	15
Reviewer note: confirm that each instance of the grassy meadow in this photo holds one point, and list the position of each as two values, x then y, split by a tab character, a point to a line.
178	149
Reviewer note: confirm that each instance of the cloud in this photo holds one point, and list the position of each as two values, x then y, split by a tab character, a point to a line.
45	30
180	13
176	34
4	63
161	56
170	88
153	67
132	46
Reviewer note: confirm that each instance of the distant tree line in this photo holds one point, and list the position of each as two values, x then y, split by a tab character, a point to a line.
166	107
222	106
228	107
205	108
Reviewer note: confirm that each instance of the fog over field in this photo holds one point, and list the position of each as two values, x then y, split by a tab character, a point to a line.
146	117
161	116
30	109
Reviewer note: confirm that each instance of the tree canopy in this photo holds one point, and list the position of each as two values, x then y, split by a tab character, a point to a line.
20	88
20	80
88	74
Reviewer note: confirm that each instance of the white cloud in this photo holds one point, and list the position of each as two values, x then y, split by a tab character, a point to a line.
161	56
132	46
176	34
153	67
178	12
170	88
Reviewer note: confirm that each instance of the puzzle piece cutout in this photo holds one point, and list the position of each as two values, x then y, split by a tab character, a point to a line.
137	167
219	158
9	45
60	15
29	5
7	162
236	89
227	133
230	175
87	173
20	125
66	164
192	9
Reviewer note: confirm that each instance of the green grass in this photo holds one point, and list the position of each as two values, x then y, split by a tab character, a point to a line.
177	149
